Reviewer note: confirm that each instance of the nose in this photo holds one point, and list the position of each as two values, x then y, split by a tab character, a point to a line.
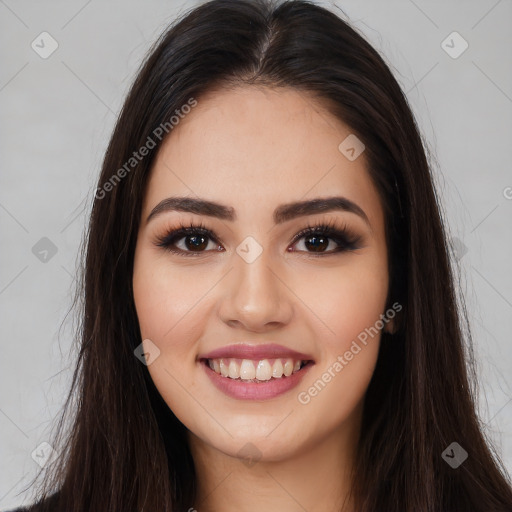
255	297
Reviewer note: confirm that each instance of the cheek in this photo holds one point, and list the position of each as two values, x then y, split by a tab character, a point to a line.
164	298
345	301
349	302
167	302
359	307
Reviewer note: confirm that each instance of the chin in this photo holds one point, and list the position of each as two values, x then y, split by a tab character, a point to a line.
256	446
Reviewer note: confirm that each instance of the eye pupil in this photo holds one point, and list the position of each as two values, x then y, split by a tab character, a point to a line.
320	243
195	239
197	242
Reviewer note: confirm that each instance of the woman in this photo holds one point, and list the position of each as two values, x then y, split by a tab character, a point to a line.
269	314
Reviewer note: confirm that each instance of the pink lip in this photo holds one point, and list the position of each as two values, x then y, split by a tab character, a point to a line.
243	390
255	352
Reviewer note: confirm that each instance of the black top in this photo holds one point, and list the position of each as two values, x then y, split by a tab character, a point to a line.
46	506
24	509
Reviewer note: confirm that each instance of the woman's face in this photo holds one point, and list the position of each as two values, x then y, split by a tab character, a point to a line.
228	316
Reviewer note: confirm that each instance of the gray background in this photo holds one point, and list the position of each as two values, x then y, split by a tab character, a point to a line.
57	115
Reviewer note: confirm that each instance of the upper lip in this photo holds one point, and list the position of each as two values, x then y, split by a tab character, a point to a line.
245	351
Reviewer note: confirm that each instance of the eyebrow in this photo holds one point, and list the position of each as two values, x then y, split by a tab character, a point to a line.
282	213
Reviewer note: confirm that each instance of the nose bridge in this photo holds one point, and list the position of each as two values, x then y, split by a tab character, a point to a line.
256	296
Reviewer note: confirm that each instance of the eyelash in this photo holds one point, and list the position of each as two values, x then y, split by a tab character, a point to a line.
344	237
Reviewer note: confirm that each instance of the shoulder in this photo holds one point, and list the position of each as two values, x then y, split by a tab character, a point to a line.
21	509
47	505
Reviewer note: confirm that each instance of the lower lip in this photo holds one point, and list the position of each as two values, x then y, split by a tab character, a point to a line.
243	390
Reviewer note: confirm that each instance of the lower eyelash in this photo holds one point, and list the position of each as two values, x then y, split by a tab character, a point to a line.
344	237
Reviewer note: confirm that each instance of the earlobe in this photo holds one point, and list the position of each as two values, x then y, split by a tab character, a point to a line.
390	327
393	325
393	318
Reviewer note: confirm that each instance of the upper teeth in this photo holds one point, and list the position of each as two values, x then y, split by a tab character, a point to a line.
247	369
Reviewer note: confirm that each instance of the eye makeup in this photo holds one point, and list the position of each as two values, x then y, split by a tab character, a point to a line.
317	235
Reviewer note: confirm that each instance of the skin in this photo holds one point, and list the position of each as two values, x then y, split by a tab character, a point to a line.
254	149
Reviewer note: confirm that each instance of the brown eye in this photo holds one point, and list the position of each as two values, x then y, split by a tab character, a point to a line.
320	238
196	243
316	243
188	241
195	240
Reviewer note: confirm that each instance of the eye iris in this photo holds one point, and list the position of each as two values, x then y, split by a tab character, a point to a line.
198	242
320	242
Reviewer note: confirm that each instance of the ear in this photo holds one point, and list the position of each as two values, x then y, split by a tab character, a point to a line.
394	321
390	326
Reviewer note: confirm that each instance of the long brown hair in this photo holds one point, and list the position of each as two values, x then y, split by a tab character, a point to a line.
124	449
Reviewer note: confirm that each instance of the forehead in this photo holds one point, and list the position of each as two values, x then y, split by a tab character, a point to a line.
254	148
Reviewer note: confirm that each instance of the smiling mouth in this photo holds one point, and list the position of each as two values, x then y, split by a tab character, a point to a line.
256	371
